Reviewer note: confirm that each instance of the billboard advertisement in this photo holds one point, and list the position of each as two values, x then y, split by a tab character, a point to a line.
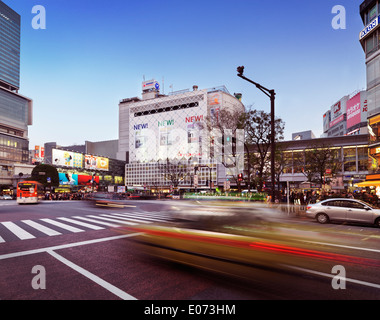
96	163
353	111
67	158
73	179
339	108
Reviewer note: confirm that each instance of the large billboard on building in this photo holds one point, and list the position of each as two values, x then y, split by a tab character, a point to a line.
78	160
357	109
353	111
67	158
73	179
95	163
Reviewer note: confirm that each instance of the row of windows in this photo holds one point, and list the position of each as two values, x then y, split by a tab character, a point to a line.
352	159
372	13
167	109
13	107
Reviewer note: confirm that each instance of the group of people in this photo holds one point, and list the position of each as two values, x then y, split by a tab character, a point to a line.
64	196
304	198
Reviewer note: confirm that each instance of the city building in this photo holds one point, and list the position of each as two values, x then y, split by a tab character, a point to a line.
303	135
160	132
347	116
369	40
80	169
16	111
10	23
353	157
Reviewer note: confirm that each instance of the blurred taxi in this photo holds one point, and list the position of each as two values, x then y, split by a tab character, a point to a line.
234	241
104	199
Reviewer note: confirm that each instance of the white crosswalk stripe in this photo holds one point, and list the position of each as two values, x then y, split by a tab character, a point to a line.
112	220
62	225
123	217
97	221
80	223
143	216
24	229
43	229
17	231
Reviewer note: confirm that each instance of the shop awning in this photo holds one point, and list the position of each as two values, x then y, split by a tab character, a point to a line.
373	183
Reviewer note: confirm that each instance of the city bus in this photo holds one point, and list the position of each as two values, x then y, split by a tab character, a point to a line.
29	192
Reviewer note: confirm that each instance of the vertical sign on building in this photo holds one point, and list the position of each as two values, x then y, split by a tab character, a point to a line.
353	111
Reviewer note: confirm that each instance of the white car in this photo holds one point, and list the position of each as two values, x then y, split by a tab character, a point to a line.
345	210
6	197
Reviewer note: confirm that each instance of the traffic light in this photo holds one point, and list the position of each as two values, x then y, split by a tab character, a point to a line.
240	177
240	70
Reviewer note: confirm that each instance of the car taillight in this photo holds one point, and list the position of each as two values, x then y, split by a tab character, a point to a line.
308	207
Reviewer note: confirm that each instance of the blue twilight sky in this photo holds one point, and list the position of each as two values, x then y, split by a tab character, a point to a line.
94	53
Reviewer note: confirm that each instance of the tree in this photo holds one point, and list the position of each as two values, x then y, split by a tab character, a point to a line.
174	171
44	173
255	141
281	162
316	160
227	144
257	127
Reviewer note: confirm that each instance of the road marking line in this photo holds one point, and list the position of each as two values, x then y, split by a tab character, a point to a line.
80	223
43	229
125	217
363	283
16	230
106	285
63	226
112	220
98	222
65	246
1	240
144	217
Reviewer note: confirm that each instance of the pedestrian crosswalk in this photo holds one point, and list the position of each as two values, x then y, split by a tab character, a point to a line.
48	227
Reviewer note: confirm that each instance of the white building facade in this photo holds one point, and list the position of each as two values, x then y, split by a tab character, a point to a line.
159	129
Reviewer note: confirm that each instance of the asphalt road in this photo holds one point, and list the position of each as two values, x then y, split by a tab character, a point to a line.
70	250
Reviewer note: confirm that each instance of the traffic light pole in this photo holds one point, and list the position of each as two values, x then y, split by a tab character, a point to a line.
271	94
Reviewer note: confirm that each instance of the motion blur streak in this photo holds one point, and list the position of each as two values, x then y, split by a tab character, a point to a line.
315	254
215	238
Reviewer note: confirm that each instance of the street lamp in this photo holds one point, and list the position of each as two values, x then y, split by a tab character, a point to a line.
271	94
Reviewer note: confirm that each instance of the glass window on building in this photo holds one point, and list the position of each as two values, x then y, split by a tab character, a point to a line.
373	130
288	162
372	13
349	159
374	160
362	158
298	161
371	43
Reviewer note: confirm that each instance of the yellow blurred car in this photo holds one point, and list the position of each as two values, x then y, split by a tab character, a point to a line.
236	243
